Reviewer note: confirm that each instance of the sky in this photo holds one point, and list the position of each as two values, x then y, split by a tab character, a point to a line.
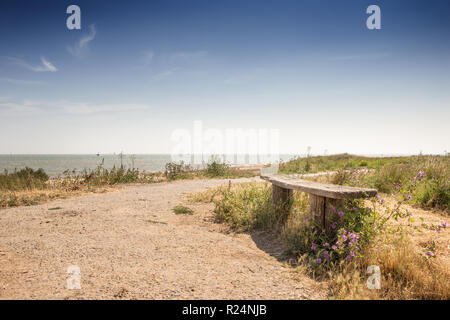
138	71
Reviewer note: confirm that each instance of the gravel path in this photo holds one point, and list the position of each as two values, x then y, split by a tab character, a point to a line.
129	244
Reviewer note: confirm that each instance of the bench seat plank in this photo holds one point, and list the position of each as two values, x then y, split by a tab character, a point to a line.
333	191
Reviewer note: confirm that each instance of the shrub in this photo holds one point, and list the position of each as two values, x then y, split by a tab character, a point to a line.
433	193
24	179
307	166
177	170
215	168
363	163
246	206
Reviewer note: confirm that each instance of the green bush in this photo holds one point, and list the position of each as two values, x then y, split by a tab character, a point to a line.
24	179
433	193
177	170
246	206
215	168
363	163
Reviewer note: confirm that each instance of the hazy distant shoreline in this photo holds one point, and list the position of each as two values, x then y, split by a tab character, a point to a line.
56	164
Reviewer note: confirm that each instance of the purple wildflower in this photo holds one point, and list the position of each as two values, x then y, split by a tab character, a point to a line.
313	247
344	237
325	244
333	225
428	254
333	247
409	197
319	260
349	258
341	214
421	174
333	209
326	255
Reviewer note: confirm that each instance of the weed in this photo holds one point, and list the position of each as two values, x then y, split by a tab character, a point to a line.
182	210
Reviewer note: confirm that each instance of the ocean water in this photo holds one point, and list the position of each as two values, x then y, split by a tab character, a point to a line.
56	164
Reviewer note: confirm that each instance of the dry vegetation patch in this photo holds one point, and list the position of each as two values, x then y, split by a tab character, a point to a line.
411	249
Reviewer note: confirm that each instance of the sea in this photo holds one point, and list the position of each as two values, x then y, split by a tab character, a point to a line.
55	164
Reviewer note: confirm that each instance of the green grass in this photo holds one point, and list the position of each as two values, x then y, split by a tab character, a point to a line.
346	161
214	169
182	210
24	179
421	180
246	206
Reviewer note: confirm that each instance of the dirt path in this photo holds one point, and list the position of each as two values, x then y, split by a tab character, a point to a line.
129	244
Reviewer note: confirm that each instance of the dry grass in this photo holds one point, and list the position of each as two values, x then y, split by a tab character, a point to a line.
30	187
405	272
34	197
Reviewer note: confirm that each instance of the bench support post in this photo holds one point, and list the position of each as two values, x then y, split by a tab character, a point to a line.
282	199
320	209
317	207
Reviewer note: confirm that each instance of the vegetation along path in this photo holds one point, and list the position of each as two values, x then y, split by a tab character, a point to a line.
130	244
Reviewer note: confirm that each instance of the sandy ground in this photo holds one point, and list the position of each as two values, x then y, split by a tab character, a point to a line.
128	244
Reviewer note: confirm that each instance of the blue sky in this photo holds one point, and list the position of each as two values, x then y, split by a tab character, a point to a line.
138	70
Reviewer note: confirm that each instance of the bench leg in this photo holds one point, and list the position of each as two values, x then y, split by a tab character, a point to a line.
320	208
282	199
317	208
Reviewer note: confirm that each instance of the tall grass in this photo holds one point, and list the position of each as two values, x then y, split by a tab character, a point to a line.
30	187
246	206
25	179
406	274
422	180
214	169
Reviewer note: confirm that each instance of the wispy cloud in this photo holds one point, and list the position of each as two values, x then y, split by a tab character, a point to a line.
30	107
46	65
80	48
362	56
164	74
75	108
145	59
190	54
22	82
15	109
148	57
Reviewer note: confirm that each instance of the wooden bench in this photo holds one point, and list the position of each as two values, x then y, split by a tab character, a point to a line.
322	196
